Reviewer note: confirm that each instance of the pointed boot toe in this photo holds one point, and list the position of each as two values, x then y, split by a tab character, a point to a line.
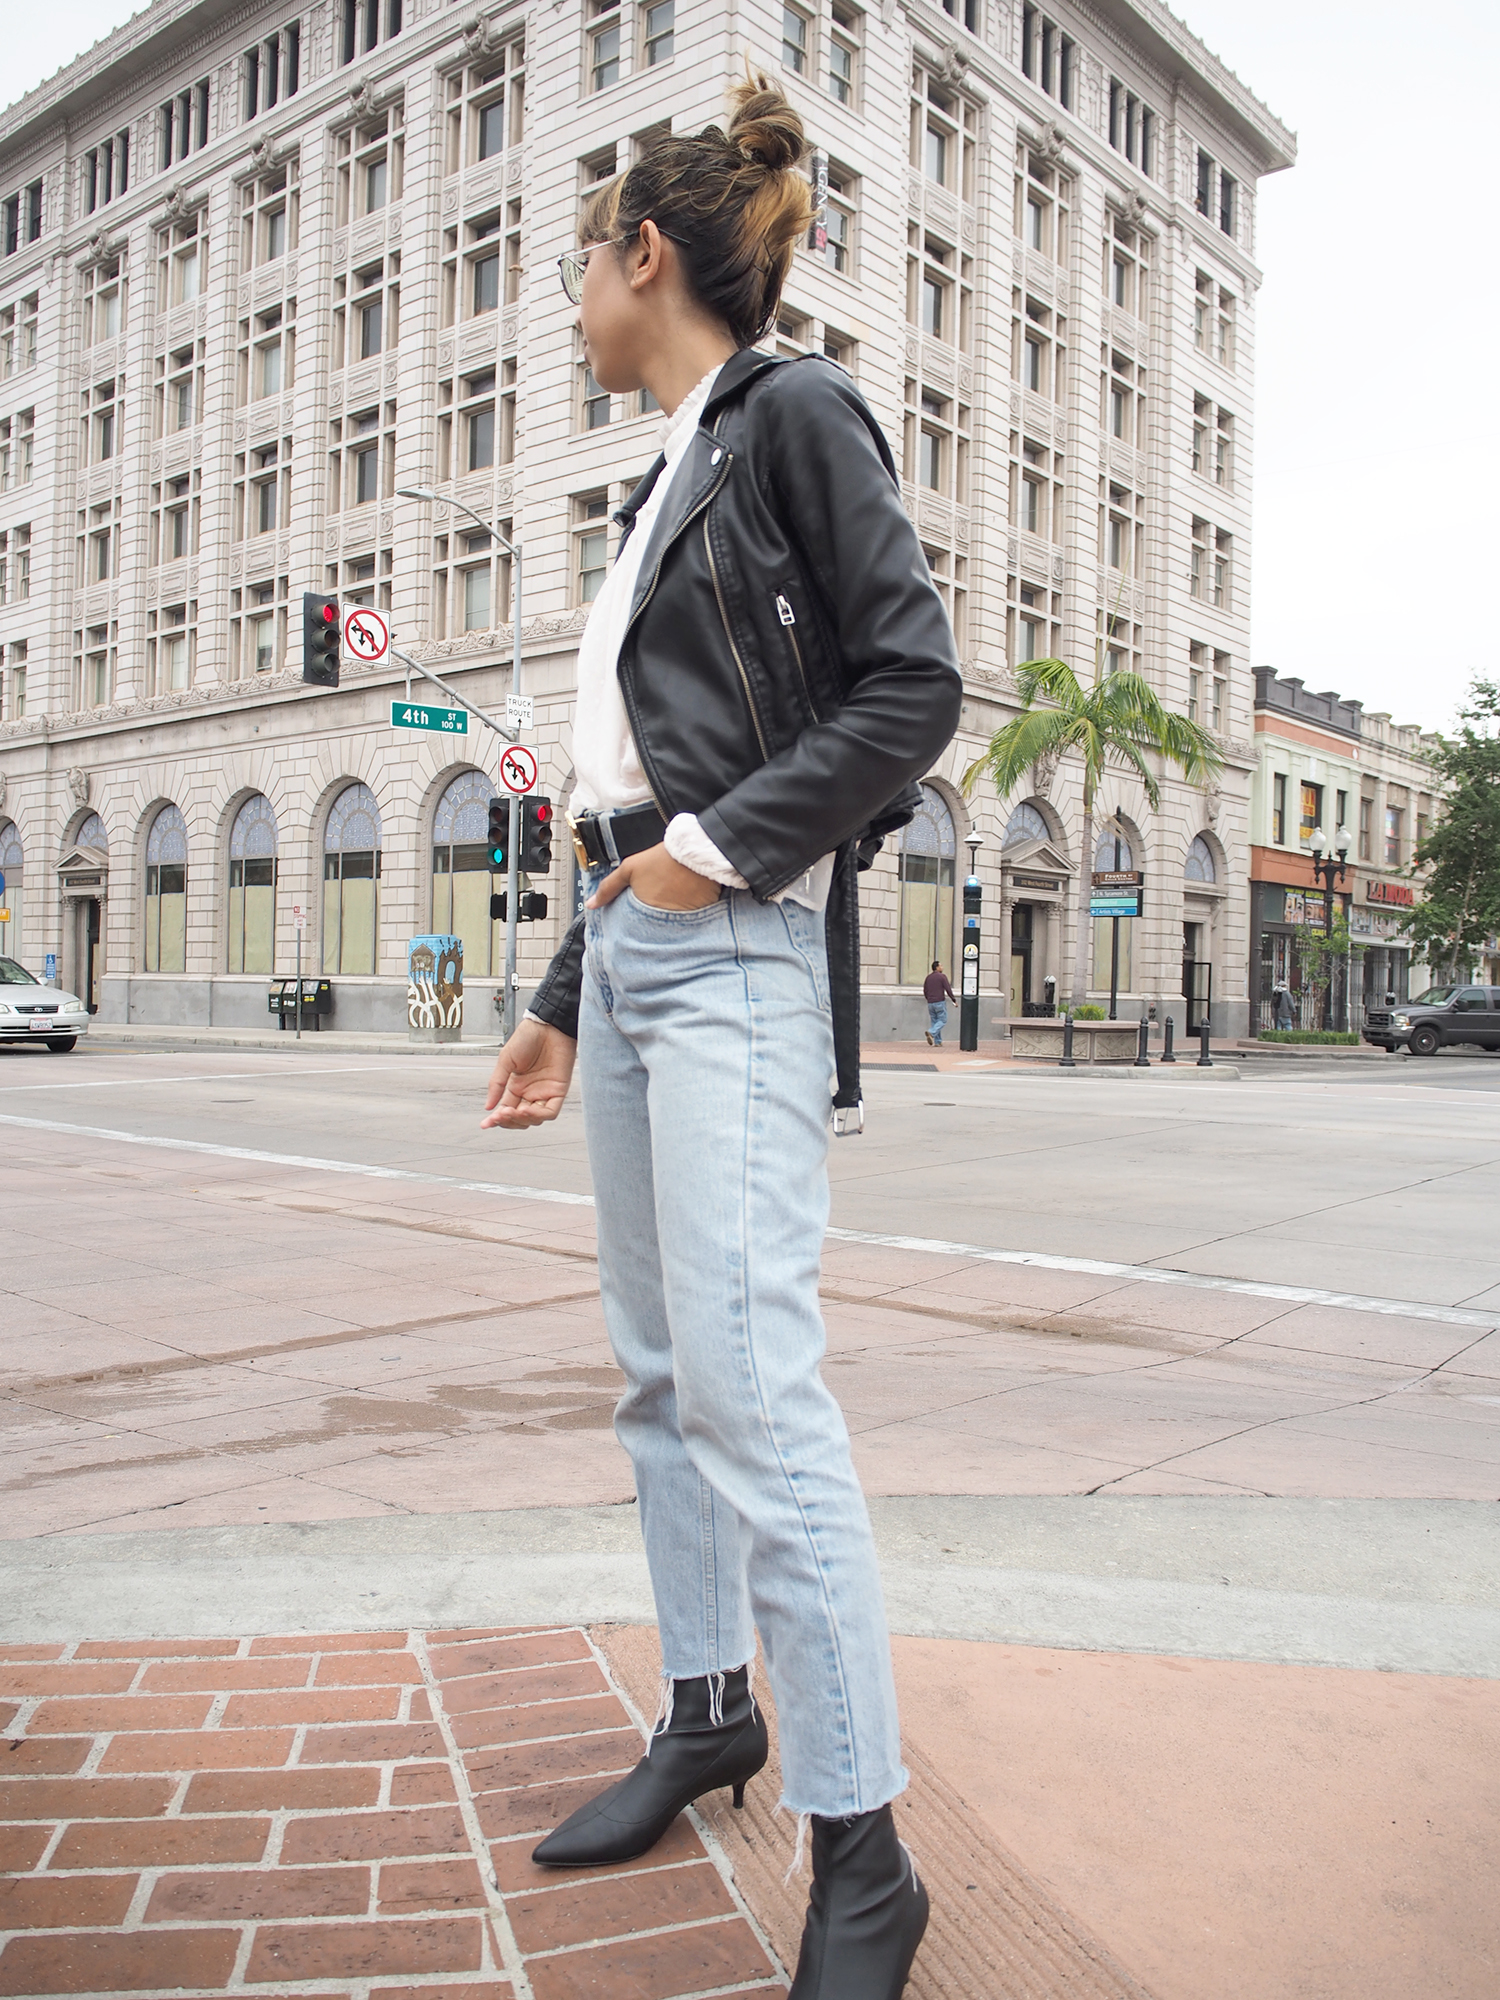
712	1737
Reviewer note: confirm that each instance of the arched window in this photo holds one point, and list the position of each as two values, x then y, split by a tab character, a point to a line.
12	866
1112	934
462	879
927	849
166	893
92	834
351	881
252	887
1199	865
1025	823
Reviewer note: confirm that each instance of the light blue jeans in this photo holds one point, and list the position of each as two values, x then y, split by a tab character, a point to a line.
705	1051
937	1020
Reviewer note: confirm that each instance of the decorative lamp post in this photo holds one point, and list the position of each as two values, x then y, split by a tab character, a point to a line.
968	989
1329	871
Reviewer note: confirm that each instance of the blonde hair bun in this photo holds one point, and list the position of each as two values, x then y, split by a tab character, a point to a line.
764	127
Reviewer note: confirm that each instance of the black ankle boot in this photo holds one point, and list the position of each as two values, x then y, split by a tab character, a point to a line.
865	1915
713	1735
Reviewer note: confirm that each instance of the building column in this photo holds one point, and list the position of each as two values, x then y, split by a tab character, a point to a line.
1007	901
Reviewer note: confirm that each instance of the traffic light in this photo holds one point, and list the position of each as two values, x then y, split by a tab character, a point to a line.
320	639
497	908
536	835
499	832
531	906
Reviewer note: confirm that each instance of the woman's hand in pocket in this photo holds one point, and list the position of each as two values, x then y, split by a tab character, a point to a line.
658	880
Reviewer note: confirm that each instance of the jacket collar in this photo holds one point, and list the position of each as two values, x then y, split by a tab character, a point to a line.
737	373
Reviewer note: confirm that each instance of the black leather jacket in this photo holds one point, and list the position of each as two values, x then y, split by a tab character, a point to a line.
789	670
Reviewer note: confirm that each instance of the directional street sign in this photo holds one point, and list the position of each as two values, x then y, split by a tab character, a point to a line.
366	634
1128	905
518	769
415	715
518	711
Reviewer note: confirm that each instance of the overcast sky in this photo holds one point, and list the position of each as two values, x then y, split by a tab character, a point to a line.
1376	413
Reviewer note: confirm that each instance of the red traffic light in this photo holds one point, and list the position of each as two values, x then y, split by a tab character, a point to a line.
542	812
330	614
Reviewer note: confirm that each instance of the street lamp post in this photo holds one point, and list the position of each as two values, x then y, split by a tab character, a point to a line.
411	491
1329	871
968	987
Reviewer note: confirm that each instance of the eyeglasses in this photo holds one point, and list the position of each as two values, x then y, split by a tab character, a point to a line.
573	263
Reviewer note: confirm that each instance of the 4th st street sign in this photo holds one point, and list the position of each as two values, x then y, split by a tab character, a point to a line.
416	715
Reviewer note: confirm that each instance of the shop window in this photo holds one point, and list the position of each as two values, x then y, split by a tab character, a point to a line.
12	867
351	882
166	893
252	887
462	878
928	845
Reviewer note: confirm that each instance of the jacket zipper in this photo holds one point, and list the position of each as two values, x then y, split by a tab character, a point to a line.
788	618
765	748
625	690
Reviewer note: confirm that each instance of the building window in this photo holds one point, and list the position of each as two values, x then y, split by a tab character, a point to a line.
351	882
253	844
603	41
18	679
367	311
657	23
262	489
1132	127
103	303
270	215
362	457
838	220
166	893
928	845
171	648
590	546
12	866
1211	565
486	107
462	877
593	402
18	336
796	39
1042	207
1038	351
273	70
471	586
1033	624
364	24
1048	57
1122	528
944	135
936	442
1214	320
369	164
258	629
363	579
181	257
98	544
101	412
1312	810
174	519
487	273
843	55
1394	816
183	124
1366	829
1199	866
17	449
1127	270
106	171
1278	809
179	389
15	564
95	657
1123	398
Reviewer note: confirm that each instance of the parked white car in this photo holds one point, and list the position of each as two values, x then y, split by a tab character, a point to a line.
30	1011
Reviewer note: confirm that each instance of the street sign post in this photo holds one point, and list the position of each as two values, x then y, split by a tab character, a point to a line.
366	634
518	769
416	715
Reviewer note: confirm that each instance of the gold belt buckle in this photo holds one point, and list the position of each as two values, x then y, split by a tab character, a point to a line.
578	847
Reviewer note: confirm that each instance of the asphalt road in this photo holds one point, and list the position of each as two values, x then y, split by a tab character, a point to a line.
1369	1179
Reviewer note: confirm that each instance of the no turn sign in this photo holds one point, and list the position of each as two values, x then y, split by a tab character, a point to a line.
366	634
518	769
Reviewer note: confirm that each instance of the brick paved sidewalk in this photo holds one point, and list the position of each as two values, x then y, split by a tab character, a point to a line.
345	1815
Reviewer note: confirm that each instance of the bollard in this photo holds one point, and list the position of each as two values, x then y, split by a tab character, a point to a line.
1205	1060
1142	1055
1166	1041
1067	1061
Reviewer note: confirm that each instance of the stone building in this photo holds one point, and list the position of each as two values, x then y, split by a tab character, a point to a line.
259	265
1323	766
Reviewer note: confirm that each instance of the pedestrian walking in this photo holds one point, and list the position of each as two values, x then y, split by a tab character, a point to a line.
1282	1013
937	993
764	676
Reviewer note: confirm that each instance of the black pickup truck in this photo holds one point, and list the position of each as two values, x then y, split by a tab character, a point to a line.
1438	1019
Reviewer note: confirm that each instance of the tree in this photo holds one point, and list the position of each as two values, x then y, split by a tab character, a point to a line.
1119	720
1320	953
1459	905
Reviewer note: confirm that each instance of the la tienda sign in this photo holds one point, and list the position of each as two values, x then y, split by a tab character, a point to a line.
1390	892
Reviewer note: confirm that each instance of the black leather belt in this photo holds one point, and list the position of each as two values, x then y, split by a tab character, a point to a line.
631	829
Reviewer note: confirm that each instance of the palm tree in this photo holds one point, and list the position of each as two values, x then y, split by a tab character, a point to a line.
1119	720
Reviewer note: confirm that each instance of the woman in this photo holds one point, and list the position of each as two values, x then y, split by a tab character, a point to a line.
765	673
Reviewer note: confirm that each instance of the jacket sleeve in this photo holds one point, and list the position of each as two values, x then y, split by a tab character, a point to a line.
828	476
556	999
